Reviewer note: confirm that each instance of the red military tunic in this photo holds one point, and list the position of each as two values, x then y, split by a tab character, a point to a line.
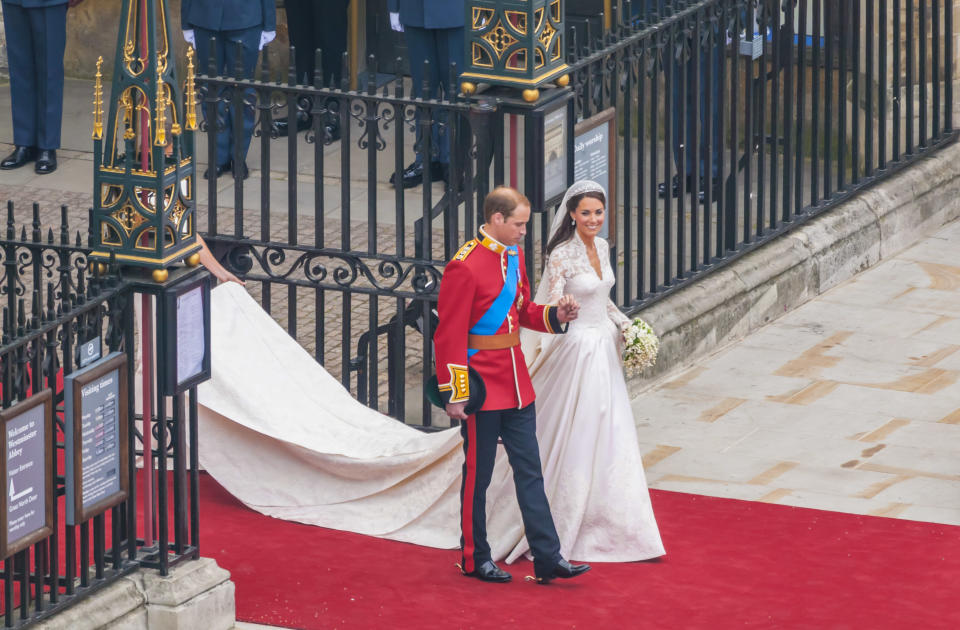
471	282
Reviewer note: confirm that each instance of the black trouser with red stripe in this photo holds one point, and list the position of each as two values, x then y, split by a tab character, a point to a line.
480	433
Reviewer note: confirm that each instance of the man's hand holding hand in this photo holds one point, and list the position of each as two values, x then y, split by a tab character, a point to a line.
567	309
456	410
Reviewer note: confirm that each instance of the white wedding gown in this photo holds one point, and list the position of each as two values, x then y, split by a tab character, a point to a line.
284	437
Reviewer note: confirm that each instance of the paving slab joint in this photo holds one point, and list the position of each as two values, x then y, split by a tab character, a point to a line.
787	272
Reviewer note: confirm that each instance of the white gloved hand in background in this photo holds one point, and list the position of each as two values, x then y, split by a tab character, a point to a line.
189	37
266	37
395	22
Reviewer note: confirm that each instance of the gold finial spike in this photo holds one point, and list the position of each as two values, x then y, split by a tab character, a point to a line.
191	94
160	138
126	101
98	102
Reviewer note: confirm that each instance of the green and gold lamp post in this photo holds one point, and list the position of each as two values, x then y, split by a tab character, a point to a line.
514	43
144	210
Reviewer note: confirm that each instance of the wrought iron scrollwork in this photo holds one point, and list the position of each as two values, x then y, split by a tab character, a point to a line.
333	269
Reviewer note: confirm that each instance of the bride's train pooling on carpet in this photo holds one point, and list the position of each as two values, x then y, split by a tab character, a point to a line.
288	440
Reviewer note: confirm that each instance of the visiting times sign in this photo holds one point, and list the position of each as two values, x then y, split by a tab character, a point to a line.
25	466
95	428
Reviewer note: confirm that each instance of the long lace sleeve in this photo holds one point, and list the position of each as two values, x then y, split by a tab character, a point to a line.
554	278
616	314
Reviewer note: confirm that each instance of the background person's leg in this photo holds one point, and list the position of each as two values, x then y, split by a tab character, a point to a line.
214	42
246	44
52	22
450	44
23	74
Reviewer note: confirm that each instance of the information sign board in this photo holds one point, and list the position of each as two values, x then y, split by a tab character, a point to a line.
26	464
555	153
95	429
184	335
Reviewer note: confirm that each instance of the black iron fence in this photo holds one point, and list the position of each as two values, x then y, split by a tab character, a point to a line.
735	121
350	264
741	120
54	303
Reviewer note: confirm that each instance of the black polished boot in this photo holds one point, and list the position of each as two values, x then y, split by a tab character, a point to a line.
19	157
489	572
46	162
413	174
562	569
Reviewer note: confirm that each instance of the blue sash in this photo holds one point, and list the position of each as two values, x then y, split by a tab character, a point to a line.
493	319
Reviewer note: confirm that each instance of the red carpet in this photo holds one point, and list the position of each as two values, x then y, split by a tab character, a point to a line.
729	564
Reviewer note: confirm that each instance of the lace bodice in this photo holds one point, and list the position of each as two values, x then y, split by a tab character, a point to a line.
568	271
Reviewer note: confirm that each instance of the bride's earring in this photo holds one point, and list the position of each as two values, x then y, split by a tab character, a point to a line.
573	221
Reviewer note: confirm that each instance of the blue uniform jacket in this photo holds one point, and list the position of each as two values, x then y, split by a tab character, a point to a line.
35	4
229	15
429	13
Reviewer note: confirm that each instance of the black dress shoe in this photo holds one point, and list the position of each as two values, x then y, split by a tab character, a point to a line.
19	157
333	129
282	125
46	162
244	171
413	174
218	171
701	189
489	572
562	569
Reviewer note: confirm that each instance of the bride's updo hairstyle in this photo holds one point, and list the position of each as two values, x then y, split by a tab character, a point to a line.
565	232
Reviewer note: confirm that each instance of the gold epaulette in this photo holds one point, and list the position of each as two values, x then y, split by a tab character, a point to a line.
465	249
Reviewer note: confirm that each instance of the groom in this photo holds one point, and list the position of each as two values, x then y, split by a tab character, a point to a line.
484	300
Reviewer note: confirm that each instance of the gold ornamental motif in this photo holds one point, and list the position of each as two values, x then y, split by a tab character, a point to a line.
499	39
98	102
177	213
128	218
190	94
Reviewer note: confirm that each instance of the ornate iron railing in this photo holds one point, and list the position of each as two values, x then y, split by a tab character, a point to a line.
735	122
55	302
803	104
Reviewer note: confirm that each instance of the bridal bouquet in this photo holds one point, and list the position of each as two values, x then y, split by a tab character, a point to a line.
641	346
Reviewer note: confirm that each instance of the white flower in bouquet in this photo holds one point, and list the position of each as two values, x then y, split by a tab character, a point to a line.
640	349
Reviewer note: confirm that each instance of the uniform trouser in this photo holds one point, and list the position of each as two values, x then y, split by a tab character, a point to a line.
36	38
318	25
229	48
441	47
517	428
685	100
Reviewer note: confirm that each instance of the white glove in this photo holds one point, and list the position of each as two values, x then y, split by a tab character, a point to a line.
395	22
266	37
189	37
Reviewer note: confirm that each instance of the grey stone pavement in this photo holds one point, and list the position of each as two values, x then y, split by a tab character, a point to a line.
849	403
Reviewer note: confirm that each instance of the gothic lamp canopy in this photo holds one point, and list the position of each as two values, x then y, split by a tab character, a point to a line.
144	199
516	43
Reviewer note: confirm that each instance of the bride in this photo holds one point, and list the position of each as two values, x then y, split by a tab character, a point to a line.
288	440
588	441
